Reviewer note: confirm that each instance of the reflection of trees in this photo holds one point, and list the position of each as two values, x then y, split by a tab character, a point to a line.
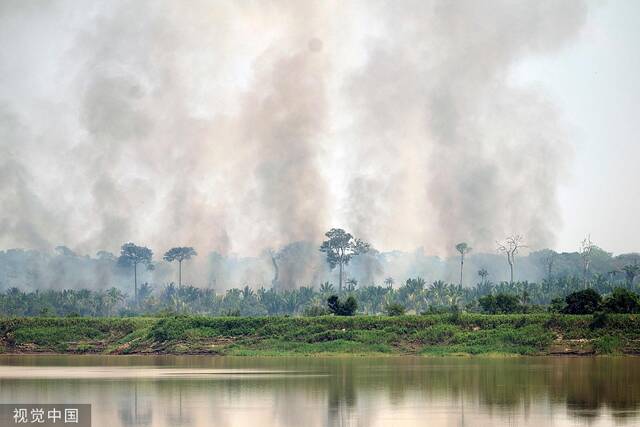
178	416
341	396
587	385
133	412
354	390
584	385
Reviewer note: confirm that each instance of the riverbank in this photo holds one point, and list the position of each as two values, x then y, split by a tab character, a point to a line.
521	334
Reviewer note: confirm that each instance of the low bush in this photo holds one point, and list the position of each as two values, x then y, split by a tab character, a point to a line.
437	334
622	301
600	320
339	308
556	306
500	303
315	311
394	309
606	344
586	301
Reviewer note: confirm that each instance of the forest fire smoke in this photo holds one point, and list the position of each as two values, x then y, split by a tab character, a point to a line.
235	127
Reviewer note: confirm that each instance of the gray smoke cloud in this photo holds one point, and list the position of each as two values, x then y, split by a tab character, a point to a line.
451	150
235	126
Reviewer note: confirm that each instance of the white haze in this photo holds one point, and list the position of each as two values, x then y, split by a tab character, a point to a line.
237	126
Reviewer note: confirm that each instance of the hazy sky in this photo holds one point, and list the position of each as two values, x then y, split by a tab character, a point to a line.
595	83
235	126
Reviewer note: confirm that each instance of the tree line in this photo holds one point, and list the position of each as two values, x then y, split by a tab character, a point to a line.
414	296
340	247
340	258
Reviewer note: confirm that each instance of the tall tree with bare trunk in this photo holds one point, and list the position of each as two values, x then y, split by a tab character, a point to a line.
340	247
130	256
586	250
463	248
276	269
510	247
179	254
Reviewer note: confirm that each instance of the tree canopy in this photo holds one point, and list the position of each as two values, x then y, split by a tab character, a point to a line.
132	255
586	301
341	246
179	254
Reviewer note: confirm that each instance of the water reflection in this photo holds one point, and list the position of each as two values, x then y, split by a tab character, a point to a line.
333	391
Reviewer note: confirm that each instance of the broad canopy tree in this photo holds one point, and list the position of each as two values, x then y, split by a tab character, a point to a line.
340	247
130	256
179	254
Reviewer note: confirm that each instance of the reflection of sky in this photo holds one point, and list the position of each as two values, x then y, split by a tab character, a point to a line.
595	84
355	391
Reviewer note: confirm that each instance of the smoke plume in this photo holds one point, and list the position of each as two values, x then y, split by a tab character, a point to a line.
237	126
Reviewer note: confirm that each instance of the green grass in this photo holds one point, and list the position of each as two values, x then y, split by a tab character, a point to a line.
526	334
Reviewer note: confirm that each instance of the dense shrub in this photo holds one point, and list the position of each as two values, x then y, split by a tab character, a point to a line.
315	310
557	305
501	303
339	308
622	301
169	328
454	317
436	309
507	303
600	320
437	334
394	309
586	301
607	344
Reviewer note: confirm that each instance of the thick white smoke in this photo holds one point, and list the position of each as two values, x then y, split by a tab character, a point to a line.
236	126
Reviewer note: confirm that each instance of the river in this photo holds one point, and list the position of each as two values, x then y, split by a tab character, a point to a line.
203	391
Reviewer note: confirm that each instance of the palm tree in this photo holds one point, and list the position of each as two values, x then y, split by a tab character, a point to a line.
145	291
326	288
114	296
414	289
271	300
416	285
463	249
389	282
247	292
483	273
232	294
454	294
483	288
377	297
305	294
437	291
290	301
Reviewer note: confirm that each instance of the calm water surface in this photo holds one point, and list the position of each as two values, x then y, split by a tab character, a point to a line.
358	391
